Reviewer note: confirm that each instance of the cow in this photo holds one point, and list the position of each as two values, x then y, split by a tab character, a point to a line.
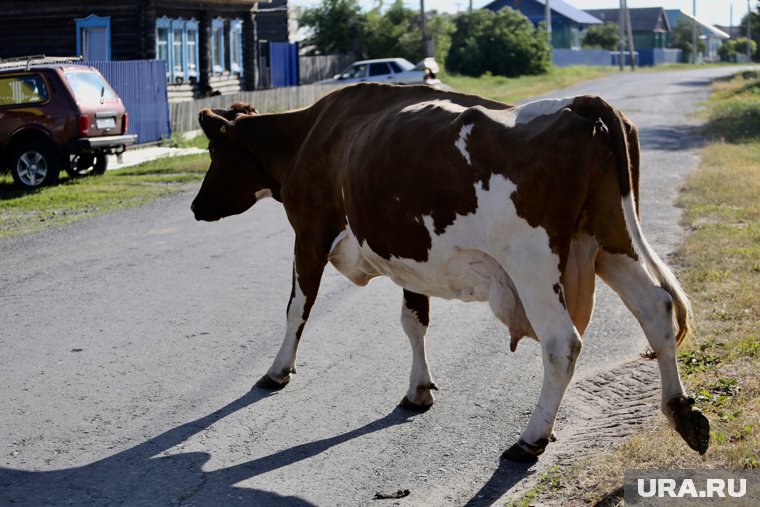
459	197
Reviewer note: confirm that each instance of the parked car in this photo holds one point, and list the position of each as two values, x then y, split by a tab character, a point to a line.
57	116
390	70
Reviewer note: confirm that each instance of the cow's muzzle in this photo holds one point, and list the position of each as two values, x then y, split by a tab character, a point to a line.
202	214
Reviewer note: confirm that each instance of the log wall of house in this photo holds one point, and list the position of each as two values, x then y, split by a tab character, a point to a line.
49	27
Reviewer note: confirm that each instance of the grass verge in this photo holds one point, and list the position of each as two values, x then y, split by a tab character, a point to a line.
511	90
720	262
24	212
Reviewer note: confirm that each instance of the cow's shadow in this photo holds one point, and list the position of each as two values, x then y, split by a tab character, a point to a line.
139	476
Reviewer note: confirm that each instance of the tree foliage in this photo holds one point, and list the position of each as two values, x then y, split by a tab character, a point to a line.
604	36
754	30
336	26
380	33
503	43
730	49
681	37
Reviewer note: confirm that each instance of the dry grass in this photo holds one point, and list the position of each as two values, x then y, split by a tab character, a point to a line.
721	271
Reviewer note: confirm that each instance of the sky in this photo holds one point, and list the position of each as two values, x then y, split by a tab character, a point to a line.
714	12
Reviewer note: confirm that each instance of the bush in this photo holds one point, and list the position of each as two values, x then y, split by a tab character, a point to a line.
504	43
604	36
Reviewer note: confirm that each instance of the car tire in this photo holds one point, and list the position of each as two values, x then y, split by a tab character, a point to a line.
88	164
33	165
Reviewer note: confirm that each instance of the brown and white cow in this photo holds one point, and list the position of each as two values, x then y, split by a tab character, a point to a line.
459	197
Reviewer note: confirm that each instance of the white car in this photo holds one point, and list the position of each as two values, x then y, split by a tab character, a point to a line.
389	70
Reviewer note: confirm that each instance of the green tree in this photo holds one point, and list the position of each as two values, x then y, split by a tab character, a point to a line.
754	29
681	37
336	26
504	43
396	32
604	36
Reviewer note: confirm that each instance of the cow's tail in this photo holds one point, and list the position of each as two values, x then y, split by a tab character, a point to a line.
657	269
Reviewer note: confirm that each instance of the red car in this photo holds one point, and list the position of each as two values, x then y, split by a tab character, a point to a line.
58	116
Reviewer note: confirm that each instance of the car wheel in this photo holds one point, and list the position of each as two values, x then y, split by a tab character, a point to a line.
86	164
34	165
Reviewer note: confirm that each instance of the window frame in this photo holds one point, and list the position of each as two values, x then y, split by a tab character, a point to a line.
93	21
217	46
236	54
182	71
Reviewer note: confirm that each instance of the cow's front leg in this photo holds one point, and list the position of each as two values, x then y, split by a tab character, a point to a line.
308	267
543	300
415	315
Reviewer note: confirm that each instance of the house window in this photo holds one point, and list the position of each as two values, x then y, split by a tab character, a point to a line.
177	45
217	45
178	49
94	38
192	48
236	46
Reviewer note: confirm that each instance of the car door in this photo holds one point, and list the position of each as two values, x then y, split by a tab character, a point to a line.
380	72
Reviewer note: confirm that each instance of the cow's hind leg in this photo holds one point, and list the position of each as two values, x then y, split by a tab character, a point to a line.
415	315
537	280
653	308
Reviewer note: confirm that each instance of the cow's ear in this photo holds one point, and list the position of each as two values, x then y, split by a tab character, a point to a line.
215	126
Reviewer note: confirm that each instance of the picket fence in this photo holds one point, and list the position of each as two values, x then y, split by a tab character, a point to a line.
184	115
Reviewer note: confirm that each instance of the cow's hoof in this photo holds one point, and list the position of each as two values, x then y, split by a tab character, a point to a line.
522	451
691	424
267	382
407	404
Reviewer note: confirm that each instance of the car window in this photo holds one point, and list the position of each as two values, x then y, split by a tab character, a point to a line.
22	90
396	67
88	87
379	69
355	71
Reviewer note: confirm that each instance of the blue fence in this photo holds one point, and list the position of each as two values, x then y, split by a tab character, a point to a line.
658	56
283	64
141	84
567	57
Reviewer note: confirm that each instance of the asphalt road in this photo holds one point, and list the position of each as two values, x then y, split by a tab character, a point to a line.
130	344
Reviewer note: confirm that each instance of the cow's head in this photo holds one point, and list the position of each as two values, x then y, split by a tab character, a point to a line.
234	180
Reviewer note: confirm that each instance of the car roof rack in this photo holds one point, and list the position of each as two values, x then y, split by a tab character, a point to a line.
26	62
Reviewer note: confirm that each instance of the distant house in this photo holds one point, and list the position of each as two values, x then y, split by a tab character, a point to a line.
650	25
712	35
568	23
209	46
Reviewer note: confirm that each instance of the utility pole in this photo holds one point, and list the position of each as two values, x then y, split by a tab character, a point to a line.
630	35
694	32
548	18
621	44
749	33
423	29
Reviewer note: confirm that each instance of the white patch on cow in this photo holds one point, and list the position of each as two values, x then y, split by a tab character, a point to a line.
420	375
263	194
285	361
345	255
461	143
446	105
532	110
468	257
297	305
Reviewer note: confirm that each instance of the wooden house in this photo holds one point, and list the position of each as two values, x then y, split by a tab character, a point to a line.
568	23
210	46
649	25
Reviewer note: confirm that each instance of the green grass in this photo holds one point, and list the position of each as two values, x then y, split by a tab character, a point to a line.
511	90
24	212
